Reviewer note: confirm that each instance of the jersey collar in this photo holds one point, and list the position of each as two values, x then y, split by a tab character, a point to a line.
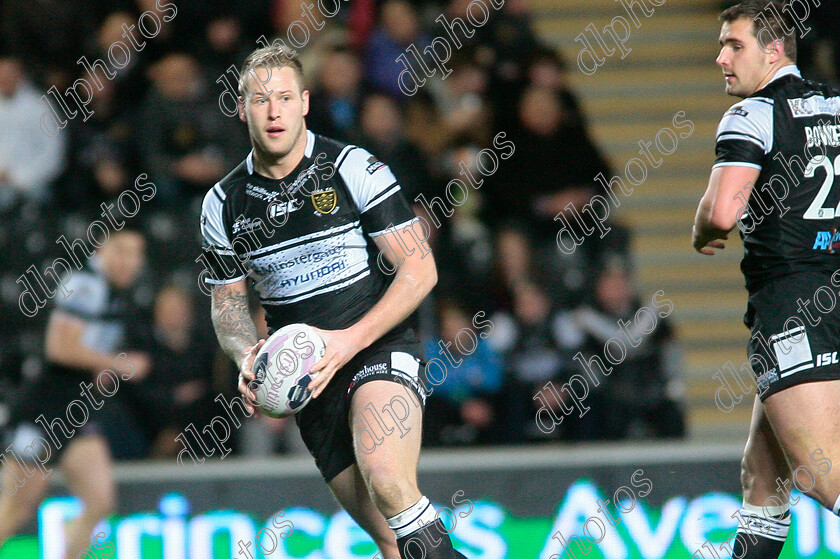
789	70
307	152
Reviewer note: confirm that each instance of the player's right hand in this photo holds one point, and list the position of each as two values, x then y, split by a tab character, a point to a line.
246	375
705	245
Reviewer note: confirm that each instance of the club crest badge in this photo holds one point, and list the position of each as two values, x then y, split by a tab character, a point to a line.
324	200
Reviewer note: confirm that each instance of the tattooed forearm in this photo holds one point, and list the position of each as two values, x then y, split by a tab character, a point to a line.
232	321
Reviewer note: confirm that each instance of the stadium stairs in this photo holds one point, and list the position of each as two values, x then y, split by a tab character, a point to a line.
670	68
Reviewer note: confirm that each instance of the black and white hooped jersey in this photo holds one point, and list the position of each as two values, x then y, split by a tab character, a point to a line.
306	241
105	311
789	131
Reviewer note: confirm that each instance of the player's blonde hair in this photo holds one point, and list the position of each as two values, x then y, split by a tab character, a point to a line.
269	58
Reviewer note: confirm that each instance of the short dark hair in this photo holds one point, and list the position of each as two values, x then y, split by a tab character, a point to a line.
766	15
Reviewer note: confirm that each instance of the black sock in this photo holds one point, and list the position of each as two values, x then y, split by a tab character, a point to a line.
759	537
763	548
429	542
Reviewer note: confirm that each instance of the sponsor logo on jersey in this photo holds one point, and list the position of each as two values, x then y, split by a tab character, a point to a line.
325	200
313	257
304	175
373	165
829	358
314	274
764	381
246	224
279	209
310	172
374	369
737	111
823	135
260	192
827	240
366	371
816	105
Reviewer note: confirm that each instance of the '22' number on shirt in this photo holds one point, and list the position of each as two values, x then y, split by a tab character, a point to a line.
816	209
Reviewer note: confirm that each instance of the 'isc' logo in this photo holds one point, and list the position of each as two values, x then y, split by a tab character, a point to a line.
826	359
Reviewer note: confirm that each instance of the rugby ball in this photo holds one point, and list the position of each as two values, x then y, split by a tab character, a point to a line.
281	370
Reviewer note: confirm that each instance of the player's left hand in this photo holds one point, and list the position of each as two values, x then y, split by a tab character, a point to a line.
341	347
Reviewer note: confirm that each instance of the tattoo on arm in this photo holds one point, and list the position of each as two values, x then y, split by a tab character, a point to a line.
232	321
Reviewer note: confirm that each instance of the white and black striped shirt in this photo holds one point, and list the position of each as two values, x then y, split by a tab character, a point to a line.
305	241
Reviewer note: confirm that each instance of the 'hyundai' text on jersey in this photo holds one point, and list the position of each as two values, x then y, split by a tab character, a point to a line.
789	131
305	240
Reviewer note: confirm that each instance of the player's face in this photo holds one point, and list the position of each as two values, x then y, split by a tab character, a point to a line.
122	258
746	66
274	112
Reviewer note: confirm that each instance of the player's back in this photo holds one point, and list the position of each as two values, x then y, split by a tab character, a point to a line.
790	130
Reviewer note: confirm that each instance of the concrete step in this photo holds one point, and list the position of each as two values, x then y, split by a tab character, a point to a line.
707	330
661	108
661	26
714	272
710	422
685	80
701	363
665	245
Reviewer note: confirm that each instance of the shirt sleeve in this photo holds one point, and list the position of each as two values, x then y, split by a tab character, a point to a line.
375	191
745	134
220	261
88	296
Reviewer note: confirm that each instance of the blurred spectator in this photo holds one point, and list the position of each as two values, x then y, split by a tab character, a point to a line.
532	193
129	83
174	35
398	28
503	46
461	101
513	258
463	244
335	100
529	189
528	338
102	150
643	393
29	158
521	257
47	36
221	46
177	391
465	407
186	141
547	69
27	237
424	126
381	126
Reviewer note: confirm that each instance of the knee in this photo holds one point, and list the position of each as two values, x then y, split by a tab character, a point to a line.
388	489
388	486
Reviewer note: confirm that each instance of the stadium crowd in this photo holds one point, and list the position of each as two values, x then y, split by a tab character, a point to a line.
496	250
